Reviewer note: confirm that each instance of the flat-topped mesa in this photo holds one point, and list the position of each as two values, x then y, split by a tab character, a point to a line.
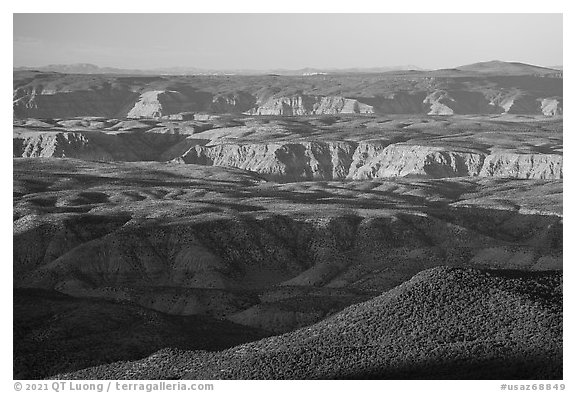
310	105
279	161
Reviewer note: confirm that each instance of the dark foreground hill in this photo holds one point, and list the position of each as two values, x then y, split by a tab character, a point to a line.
56	333
446	323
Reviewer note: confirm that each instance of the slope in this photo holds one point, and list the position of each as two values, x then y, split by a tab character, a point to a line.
443	323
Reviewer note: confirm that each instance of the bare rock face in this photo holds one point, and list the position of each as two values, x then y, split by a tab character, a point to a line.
284	106
284	161
551	106
93	145
59	144
525	166
158	103
371	160
439	102
364	154
335	105
404	160
232	102
310	105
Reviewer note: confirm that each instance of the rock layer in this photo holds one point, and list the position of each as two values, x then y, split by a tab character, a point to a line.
285	161
310	105
372	160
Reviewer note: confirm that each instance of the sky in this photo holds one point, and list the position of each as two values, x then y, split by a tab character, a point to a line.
288	41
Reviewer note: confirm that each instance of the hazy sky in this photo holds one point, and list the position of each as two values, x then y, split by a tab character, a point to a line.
262	41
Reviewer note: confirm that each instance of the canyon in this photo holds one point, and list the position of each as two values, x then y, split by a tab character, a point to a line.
251	224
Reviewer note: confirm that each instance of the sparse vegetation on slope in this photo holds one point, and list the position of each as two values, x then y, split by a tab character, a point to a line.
55	333
445	92
443	323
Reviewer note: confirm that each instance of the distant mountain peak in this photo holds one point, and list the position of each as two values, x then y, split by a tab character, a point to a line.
506	68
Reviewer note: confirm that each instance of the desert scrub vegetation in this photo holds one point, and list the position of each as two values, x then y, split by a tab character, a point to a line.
448	323
55	333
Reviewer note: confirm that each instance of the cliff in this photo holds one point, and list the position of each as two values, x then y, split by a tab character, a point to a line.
310	105
404	160
525	166
372	160
92	145
283	161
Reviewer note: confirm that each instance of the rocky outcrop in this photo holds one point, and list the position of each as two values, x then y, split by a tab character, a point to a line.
173	104
371	160
159	103
236	102
61	144
335	105
551	106
66	104
92	145
309	105
364	153
406	160
287	161
450	102
524	166
282	161
439	102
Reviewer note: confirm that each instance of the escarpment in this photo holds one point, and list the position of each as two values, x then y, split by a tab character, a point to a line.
372	160
310	105
526	166
405	160
92	145
285	161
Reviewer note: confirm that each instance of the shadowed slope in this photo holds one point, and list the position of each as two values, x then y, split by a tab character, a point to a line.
55	333
443	323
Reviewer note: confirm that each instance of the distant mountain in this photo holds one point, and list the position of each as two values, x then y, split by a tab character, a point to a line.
370	70
489	67
80	68
86	68
506	68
